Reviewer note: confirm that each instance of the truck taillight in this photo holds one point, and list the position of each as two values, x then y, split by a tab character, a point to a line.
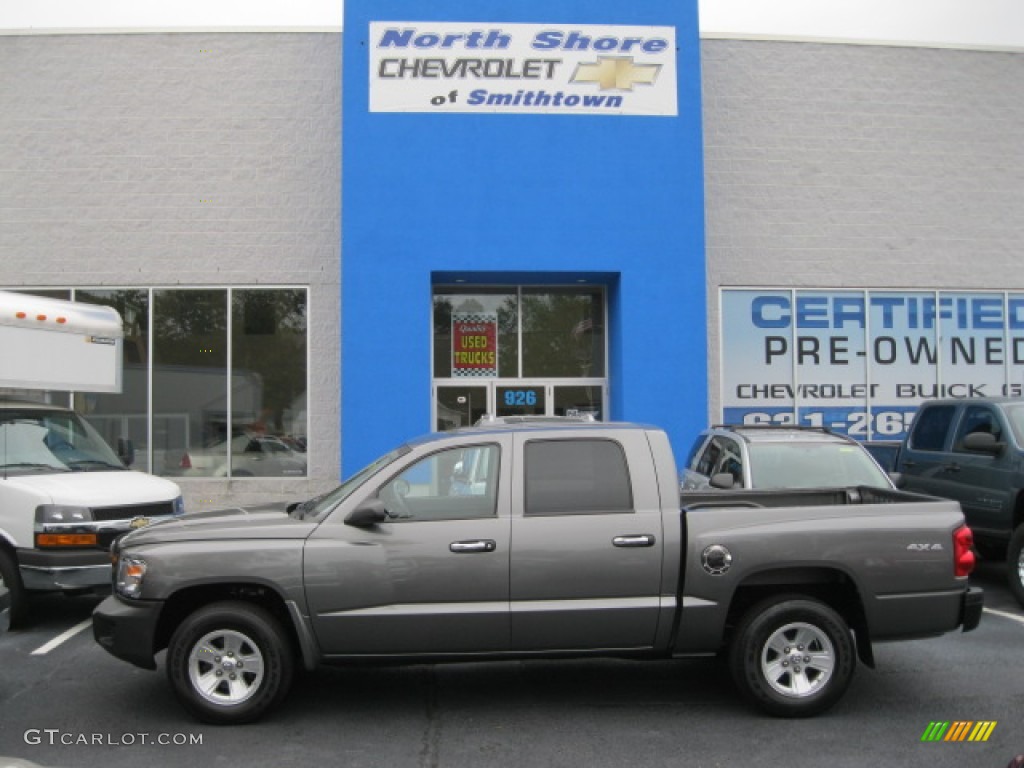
186	461
963	555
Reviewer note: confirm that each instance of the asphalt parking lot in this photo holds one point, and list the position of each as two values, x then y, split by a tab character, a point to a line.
64	702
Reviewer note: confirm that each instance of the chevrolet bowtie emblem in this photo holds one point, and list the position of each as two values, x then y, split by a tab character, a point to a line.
616	72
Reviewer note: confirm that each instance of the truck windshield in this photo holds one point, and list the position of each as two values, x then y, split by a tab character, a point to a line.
41	442
1015	415
813	465
321	505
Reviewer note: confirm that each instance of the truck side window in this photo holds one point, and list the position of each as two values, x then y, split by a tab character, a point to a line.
454	484
977	418
576	477
930	428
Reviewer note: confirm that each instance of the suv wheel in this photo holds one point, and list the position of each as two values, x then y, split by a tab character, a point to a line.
1015	564
230	662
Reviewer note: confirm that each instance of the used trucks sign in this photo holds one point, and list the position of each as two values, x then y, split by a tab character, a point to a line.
522	68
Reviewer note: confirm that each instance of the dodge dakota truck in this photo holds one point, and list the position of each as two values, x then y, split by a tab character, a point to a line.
538	540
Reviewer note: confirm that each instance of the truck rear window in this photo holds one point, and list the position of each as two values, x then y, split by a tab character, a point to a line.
576	477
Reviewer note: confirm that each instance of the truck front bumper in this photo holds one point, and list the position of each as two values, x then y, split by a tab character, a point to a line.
51	571
127	630
971	606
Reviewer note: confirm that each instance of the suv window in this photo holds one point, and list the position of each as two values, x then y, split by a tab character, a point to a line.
977	418
930	428
453	484
576	477
723	454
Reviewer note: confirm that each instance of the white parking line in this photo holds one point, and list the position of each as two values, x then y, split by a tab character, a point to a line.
1005	615
61	638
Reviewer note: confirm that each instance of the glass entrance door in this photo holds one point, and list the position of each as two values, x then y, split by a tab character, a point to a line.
461	404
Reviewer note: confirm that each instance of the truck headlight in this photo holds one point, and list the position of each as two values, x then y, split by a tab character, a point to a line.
130	573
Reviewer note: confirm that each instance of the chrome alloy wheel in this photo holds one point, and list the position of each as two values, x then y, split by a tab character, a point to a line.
225	667
797	660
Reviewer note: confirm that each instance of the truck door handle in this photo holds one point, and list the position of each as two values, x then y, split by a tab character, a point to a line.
469	547
637	540
954	467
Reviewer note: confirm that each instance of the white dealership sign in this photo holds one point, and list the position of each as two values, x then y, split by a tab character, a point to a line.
522	68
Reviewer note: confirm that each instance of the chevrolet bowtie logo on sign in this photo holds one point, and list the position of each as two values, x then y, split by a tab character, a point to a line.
615	73
522	68
959	730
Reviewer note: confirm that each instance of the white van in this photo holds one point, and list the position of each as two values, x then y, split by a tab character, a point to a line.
64	493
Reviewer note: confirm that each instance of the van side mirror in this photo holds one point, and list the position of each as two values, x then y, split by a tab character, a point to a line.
125	451
723	481
983	442
367	515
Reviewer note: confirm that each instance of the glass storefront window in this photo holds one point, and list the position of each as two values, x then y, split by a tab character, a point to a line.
268	397
190	416
563	332
469	325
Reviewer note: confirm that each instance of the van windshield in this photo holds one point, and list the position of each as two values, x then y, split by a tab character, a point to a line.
43	442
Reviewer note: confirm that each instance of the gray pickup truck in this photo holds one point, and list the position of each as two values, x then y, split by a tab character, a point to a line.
538	540
973	451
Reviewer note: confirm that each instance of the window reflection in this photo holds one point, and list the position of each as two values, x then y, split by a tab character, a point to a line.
268	398
190	418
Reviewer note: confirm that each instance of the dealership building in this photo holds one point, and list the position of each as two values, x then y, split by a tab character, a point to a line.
324	242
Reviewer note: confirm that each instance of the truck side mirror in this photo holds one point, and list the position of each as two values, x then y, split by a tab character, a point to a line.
125	451
983	442
367	515
723	481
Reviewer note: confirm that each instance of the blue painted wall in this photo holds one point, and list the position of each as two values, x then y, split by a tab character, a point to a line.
535	194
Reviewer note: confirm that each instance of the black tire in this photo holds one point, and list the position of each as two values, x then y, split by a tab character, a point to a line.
241	654
12	580
792	656
1015	564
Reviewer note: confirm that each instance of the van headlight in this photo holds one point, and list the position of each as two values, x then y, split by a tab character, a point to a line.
62	514
130	573
179	506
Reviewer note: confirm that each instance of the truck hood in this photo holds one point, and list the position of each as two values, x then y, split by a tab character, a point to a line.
268	522
96	489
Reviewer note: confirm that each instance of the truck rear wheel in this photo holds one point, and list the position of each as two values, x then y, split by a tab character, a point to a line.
12	580
1015	564
792	656
230	662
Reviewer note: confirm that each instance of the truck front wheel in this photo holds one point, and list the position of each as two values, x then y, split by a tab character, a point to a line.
229	662
792	656
1015	564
